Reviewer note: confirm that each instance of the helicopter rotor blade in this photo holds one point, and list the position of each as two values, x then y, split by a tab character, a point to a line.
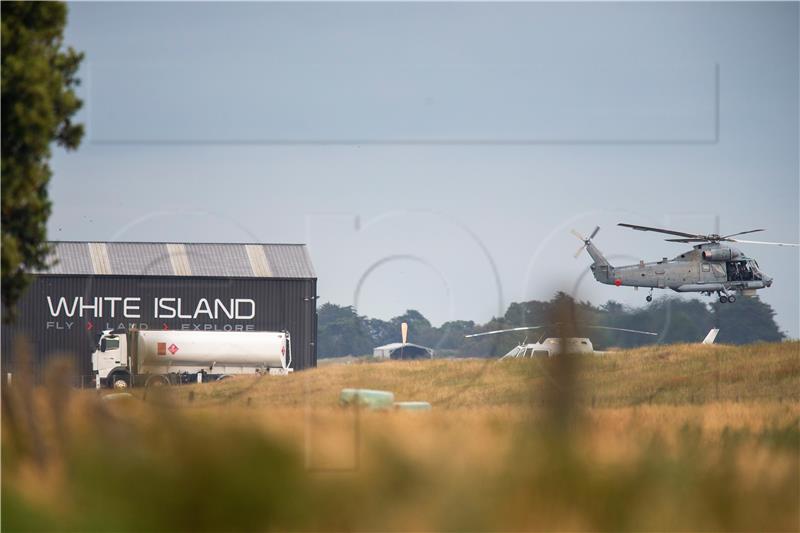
659	230
623	329
596	229
495	332
765	242
525	328
687	240
581	249
578	235
741	233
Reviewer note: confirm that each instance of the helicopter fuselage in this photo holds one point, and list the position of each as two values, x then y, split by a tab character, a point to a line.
552	346
707	268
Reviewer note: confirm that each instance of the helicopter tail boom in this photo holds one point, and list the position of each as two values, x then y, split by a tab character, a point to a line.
601	267
597	256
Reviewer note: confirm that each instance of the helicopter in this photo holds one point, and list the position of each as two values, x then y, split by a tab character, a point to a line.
552	345
709	267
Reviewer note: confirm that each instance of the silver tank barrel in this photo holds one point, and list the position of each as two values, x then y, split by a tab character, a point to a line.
260	349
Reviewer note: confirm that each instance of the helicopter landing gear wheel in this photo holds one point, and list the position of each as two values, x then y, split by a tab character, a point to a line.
649	298
731	298
723	299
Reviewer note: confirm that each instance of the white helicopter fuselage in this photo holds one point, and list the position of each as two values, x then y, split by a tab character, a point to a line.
552	346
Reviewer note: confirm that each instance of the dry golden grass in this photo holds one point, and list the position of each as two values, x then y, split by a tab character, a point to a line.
664	374
641	442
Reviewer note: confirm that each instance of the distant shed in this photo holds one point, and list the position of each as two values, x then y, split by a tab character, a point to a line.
92	286
400	350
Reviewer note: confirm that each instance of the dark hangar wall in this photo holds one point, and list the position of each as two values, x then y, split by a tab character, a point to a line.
279	304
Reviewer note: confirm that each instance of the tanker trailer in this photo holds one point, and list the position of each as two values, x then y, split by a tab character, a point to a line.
143	357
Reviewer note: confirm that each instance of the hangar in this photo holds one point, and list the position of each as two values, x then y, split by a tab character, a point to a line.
92	286
402	350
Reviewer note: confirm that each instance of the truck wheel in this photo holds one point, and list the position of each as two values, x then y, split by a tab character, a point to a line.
156	381
119	381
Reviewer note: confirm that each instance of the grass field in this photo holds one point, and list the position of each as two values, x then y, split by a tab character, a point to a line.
670	438
664	374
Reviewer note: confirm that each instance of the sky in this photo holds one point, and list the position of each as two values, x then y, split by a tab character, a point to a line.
435	156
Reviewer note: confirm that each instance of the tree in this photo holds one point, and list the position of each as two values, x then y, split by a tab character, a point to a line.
341	331
38	102
419	328
748	320
382	332
451	334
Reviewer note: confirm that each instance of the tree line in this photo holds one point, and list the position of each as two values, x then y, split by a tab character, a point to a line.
342	331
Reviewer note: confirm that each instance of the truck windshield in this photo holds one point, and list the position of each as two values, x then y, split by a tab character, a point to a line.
108	344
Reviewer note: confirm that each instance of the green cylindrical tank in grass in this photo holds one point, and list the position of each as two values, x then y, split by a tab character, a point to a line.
374	399
412	406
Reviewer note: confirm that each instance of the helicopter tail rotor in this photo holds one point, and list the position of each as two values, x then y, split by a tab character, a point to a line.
585	240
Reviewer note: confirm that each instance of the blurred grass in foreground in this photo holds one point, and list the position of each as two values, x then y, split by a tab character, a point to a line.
656	452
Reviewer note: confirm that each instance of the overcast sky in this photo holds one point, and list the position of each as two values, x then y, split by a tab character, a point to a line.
435	156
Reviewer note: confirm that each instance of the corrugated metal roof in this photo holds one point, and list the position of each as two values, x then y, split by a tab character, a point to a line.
209	259
287	261
181	259
145	259
73	258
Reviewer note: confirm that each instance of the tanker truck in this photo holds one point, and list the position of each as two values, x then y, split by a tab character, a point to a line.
142	357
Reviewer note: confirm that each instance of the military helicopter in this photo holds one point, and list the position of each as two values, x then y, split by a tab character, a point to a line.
552	345
710	267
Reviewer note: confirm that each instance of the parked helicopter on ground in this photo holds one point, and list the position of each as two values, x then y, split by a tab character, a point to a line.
552	345
710	267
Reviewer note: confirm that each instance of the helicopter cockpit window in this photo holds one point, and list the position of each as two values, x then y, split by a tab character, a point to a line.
752	266
740	271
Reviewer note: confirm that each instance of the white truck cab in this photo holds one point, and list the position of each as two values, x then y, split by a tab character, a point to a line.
111	356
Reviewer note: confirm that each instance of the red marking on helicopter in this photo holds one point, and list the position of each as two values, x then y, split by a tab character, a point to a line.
617	282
